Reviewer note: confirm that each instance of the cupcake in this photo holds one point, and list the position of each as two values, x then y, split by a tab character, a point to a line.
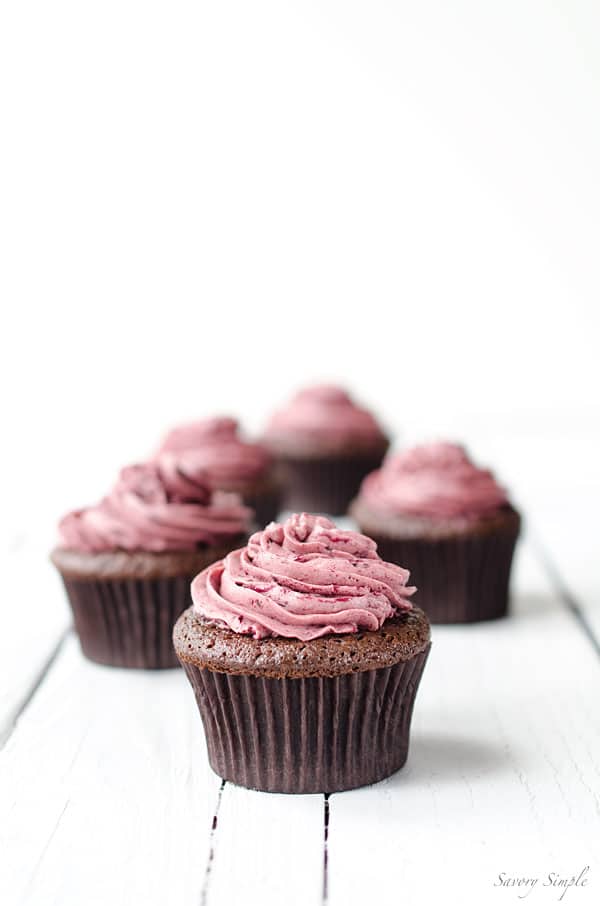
325	445
229	463
304	653
127	562
435	509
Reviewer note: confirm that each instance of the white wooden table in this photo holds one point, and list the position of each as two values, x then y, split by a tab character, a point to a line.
106	796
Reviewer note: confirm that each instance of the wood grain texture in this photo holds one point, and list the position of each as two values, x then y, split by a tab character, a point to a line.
503	771
106	796
35	616
570	556
269	849
105	790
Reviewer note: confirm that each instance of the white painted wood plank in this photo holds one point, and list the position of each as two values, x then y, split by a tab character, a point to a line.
269	850
502	774
106	795
571	548
34	616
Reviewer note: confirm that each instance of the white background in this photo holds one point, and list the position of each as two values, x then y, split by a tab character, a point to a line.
205	205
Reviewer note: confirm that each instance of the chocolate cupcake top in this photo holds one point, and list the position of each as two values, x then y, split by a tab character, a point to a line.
302	579
152	508
436	481
206	644
323	419
214	448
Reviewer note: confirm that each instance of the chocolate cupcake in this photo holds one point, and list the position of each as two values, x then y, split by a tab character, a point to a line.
324	445
305	654
127	563
230	463
433	508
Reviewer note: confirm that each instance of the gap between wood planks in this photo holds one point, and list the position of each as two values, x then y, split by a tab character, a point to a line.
212	848
326	807
9	725
212	842
564	594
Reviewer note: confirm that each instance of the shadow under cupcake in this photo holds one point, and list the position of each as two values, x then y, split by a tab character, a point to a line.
435	509
127	562
305	654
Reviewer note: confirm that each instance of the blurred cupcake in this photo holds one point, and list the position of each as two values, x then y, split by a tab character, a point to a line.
127	563
229	463
433	508
305	655
325	444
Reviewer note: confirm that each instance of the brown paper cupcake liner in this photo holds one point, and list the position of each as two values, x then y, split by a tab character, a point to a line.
128	622
459	579
307	735
325	485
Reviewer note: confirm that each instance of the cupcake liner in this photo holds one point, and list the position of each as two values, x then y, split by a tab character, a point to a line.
128	622
459	579
307	735
325	485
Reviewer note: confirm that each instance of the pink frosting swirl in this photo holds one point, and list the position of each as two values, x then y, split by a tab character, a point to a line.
327	415
433	480
213	446
302	579
154	510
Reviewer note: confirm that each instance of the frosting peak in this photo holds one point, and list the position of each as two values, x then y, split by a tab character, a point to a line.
324	394
435	480
152	509
213	447
302	579
328	415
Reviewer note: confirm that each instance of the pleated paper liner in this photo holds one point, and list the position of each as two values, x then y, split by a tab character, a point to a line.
308	735
324	485
459	579
128	622
125	603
